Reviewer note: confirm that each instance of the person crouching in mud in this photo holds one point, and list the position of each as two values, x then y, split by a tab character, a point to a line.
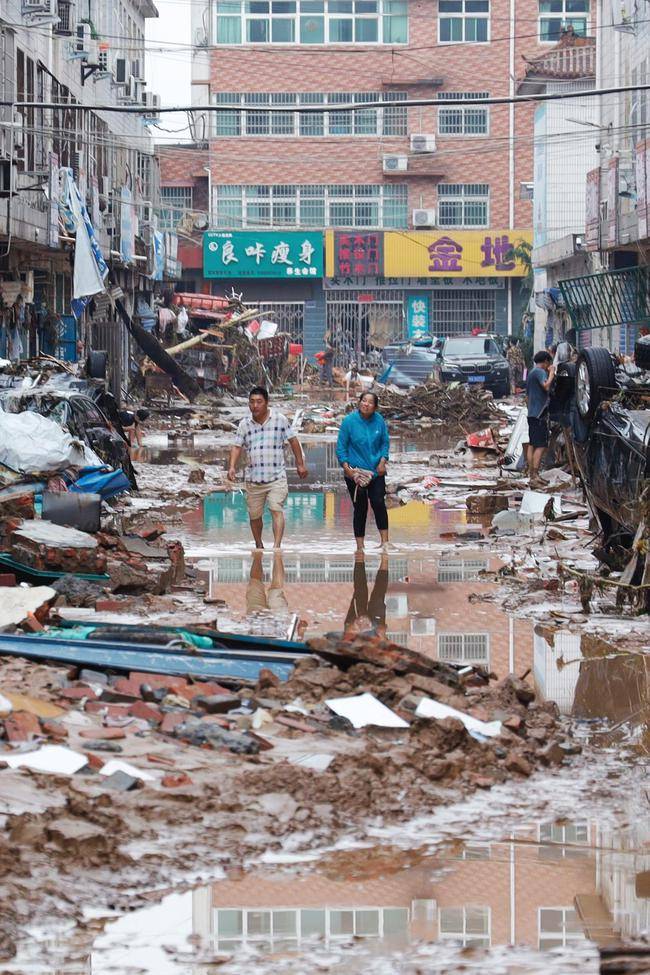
362	451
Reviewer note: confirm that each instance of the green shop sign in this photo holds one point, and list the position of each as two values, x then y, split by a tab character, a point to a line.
262	254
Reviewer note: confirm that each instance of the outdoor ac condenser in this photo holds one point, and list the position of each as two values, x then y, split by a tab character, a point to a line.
395	164
424	218
423	143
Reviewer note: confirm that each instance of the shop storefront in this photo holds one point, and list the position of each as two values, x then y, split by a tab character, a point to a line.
387	287
279	272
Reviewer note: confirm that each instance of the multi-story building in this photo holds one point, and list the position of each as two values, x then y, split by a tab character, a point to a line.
419	202
611	303
564	152
71	54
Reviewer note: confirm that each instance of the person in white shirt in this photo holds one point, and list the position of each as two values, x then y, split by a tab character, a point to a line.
264	435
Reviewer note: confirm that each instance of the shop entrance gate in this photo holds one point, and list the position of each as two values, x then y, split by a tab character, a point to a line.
359	330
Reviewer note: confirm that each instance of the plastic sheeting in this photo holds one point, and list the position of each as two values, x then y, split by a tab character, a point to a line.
31	444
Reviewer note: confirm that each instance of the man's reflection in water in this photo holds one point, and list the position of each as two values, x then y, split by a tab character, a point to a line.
367	613
257	596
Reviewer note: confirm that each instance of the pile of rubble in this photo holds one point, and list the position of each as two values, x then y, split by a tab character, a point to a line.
454	402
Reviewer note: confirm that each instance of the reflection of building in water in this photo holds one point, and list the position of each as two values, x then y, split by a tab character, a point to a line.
557	666
428	604
529	891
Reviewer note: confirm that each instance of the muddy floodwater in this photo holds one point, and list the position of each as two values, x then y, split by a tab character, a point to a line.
531	877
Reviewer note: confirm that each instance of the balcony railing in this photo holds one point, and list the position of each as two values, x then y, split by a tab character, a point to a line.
577	61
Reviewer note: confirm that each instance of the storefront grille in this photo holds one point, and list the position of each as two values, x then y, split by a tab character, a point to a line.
359	330
456	311
288	315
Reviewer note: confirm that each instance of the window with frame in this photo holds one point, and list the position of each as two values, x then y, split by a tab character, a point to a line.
570	841
330	205
462	119
467	924
463	205
175	201
556	15
311	21
464	647
558	926
463	21
253	115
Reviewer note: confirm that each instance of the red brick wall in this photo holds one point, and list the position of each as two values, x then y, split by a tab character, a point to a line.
335	159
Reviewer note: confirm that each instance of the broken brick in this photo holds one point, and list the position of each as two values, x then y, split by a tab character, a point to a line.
113	605
109	710
294	723
217	703
54	729
32	624
173	780
102	734
171	719
147	712
94	761
155	681
124	685
21	726
517	763
7	579
77	693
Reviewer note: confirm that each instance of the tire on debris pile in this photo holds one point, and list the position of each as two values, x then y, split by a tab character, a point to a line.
595	380
97	364
642	352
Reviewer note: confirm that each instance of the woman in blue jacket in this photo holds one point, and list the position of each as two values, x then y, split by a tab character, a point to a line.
362	451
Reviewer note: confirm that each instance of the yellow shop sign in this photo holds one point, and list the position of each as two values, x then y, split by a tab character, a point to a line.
453	254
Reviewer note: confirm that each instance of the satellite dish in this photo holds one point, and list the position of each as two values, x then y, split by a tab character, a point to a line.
201	221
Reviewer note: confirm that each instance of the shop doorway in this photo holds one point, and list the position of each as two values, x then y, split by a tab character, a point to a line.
360	329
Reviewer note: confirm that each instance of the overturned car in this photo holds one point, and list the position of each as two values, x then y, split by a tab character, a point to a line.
79	415
610	428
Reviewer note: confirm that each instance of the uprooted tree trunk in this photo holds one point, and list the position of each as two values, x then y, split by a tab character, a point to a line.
150	345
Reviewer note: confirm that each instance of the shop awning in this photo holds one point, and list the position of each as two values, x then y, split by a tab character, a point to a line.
619	297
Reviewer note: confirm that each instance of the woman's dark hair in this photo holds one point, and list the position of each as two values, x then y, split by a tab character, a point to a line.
374	396
259	391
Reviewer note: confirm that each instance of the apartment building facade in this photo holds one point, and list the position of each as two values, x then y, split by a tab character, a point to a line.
74	54
418	205
610	304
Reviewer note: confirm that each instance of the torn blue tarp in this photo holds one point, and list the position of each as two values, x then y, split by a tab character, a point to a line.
103	481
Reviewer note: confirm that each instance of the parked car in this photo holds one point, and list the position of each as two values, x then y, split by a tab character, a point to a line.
610	430
408	365
477	360
80	416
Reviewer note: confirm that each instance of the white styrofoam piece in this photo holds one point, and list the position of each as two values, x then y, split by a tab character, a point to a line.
56	759
17	603
534	502
365	709
116	765
428	708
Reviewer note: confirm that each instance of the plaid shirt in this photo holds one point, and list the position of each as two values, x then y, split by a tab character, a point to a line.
264	444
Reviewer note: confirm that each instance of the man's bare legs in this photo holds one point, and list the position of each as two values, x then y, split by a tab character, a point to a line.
278	528
256	528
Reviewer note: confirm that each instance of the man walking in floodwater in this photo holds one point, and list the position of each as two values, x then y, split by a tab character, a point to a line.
264	435
538	385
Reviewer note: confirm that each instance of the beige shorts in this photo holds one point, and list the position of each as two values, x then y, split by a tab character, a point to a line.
274	494
258	598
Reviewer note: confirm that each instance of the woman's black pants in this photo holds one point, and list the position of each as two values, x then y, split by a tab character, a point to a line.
375	493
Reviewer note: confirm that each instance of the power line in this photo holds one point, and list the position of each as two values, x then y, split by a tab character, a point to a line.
322	109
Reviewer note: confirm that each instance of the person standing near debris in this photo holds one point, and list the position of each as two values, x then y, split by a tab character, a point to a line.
538	386
264	435
328	362
362	451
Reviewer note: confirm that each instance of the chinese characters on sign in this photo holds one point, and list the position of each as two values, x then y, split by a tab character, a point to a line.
417	316
454	253
262	254
445	255
356	255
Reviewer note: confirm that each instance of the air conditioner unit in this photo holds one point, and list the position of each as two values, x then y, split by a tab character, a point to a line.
84	38
526	191
137	69
151	102
395	164
423	143
102	58
121	76
39	8
424	218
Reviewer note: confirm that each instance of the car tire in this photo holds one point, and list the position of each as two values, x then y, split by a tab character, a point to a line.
595	381
642	352
97	364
